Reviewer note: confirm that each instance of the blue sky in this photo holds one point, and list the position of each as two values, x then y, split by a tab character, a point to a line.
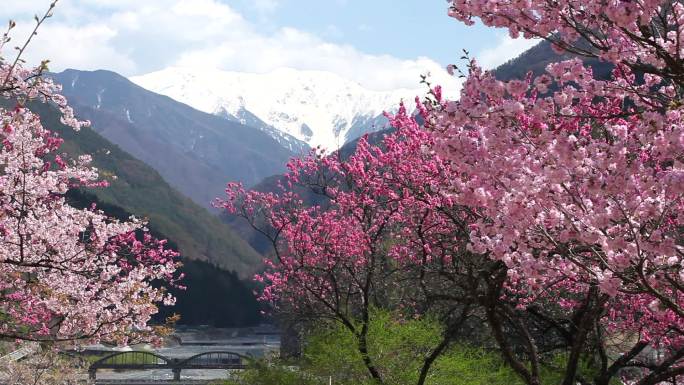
382	44
405	28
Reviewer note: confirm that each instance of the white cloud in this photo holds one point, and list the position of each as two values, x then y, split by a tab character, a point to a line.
506	49
134	37
84	47
292	48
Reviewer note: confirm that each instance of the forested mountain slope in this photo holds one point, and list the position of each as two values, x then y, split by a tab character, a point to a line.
537	58
140	190
195	152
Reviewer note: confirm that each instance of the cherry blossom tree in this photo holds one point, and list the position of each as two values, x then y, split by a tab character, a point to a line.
579	195
549	207
381	217
45	368
644	35
578	183
65	273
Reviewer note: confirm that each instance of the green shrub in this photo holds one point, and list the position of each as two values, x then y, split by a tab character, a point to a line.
396	348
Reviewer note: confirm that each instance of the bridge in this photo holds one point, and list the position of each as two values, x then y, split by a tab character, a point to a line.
155	382
137	360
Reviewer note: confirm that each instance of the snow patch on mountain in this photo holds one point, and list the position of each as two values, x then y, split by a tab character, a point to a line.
246	118
314	107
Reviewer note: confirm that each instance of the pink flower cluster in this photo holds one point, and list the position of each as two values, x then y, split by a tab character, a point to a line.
66	273
554	200
377	204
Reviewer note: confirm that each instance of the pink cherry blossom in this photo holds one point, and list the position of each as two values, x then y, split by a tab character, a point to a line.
550	207
66	273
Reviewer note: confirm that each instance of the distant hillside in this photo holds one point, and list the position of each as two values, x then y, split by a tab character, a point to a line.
195	152
140	190
215	297
204	282
537	58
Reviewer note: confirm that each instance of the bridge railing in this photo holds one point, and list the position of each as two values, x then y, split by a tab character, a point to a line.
137	360
215	360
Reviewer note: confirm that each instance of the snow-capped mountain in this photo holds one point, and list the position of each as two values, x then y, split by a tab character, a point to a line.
195	152
247	118
314	107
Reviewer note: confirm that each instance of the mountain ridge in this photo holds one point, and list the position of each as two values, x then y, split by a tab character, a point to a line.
195	152
140	190
314	107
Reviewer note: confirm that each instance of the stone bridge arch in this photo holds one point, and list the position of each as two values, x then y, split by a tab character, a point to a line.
141	360
216	360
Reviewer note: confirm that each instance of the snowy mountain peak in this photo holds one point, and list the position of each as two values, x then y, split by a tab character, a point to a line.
316	107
